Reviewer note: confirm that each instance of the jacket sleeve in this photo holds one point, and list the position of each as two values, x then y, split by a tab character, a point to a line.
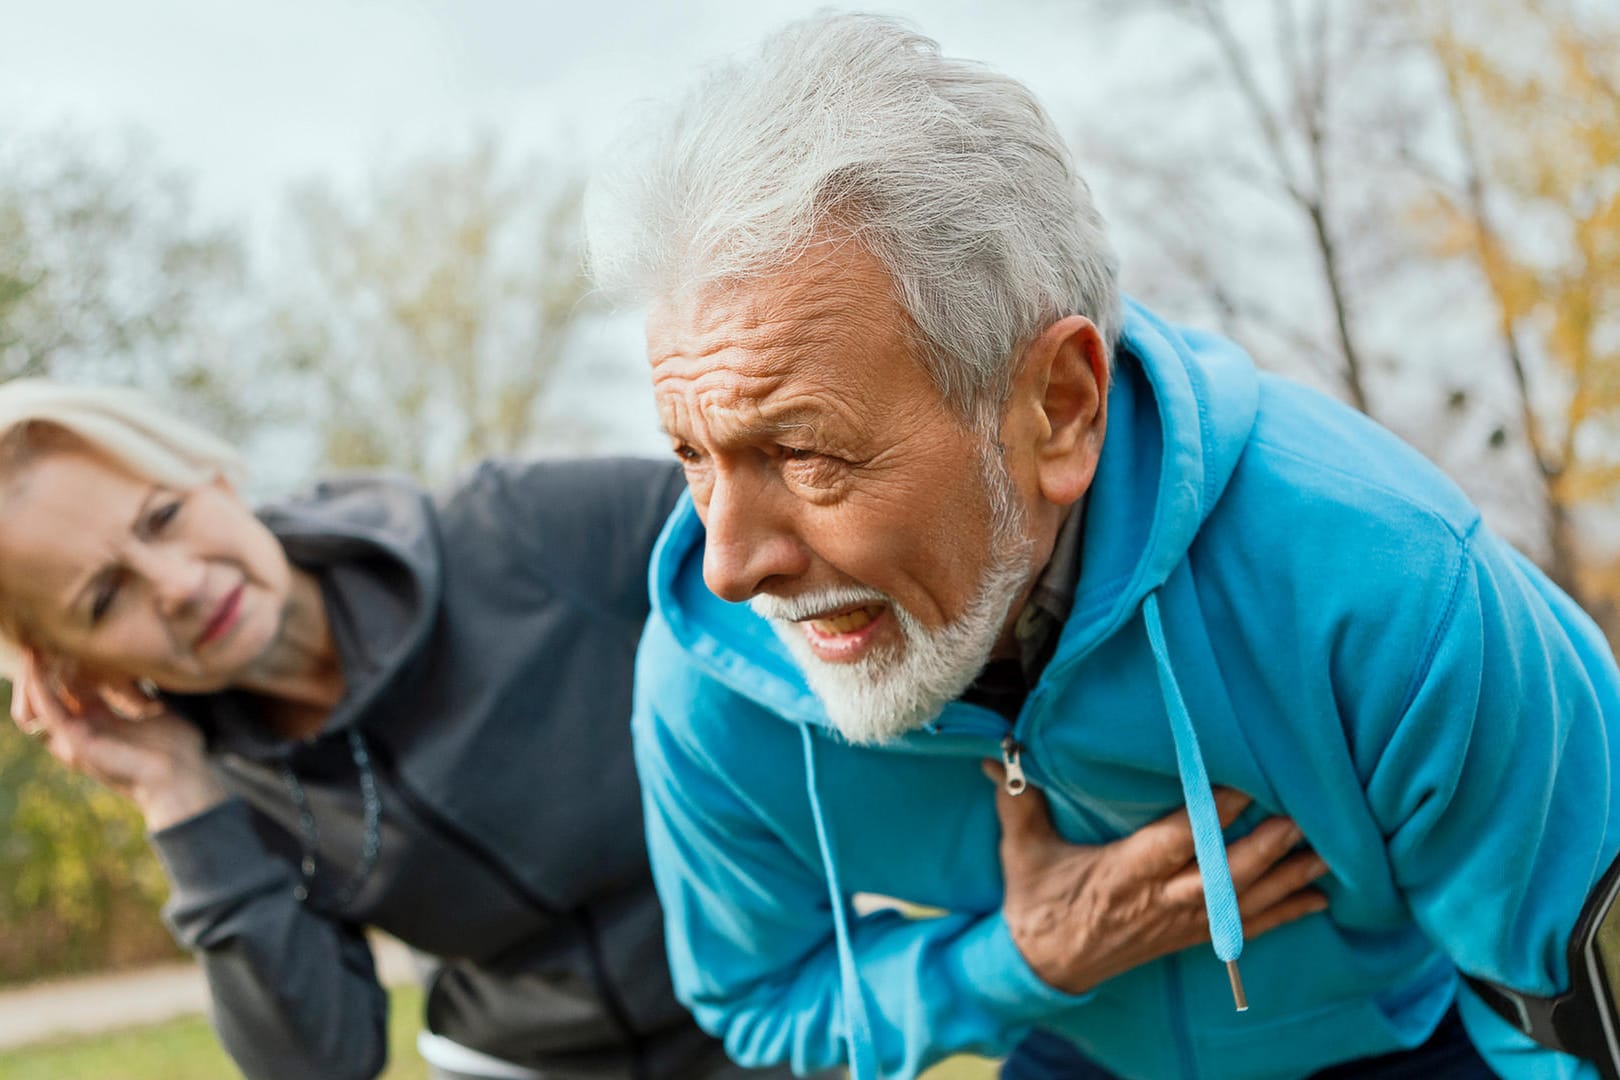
586	526
294	993
752	950
1494	786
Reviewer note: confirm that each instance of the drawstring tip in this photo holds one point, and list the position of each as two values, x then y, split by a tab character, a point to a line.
1239	999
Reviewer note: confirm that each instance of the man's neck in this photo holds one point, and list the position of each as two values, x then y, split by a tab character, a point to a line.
1031	635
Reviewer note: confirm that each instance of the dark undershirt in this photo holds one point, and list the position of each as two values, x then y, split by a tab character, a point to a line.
1006	681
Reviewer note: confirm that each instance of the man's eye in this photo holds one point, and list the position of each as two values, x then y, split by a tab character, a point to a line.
687	454
813	470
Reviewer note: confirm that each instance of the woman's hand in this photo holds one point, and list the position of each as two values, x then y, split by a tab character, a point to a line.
157	761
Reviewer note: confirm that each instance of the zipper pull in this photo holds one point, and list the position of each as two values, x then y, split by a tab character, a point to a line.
1011	754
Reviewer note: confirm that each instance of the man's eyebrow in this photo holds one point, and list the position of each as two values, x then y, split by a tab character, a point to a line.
789	420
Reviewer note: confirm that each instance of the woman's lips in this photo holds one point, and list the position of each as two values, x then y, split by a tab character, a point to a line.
847	635
224	618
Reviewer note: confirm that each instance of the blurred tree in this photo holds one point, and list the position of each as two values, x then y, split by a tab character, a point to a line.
434	313
1533	91
106	275
1281	144
1277	196
82	889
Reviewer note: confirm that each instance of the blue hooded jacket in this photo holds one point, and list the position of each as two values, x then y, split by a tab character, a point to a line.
1276	595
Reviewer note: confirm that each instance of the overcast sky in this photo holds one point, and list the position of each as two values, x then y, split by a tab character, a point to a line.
248	98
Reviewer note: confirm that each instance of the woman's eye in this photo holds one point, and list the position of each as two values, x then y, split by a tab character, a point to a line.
102	601
799	453
687	454
161	517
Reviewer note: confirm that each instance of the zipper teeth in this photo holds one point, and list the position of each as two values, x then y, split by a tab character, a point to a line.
384	758
982	723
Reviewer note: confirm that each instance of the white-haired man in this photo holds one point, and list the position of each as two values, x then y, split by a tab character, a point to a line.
951	499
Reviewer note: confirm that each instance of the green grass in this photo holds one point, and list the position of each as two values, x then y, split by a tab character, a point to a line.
187	1050
962	1068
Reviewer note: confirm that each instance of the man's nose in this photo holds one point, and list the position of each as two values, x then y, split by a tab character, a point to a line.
750	542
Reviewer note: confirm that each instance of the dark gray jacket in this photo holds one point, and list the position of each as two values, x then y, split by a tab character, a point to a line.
486	639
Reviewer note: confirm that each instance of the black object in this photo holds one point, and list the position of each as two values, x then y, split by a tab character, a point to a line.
1585	1020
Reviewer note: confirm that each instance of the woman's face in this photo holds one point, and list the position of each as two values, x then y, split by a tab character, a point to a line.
129	578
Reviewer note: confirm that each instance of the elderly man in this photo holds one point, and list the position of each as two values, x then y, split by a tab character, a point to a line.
951	499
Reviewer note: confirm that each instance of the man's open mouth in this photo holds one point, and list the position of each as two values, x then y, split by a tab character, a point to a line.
845	622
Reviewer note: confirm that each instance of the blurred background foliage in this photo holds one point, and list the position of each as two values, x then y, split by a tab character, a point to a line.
1414	204
415	326
82	888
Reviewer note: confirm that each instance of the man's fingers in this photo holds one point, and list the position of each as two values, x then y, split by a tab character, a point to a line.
1229	804
1264	860
1295	906
1289	876
1165	846
1252	856
1025	817
1281	895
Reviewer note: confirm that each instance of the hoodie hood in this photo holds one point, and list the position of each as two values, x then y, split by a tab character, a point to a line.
1180	410
370	542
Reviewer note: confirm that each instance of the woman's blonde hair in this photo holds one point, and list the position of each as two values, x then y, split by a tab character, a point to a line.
128	428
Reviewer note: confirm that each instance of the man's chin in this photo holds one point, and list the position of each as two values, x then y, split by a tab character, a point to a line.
868	723
873	708
863	703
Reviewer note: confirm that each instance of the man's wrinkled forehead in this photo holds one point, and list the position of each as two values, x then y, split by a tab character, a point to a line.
769	326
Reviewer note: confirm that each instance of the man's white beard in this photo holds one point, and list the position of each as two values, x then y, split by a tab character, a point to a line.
881	696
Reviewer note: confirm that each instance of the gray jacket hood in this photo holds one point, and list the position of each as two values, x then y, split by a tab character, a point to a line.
372	542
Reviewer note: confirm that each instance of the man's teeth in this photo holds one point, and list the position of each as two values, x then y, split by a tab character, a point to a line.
847	623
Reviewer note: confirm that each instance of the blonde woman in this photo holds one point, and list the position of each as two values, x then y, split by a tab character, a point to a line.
370	706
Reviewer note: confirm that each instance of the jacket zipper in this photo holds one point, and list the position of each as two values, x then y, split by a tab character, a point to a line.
1012	751
383	755
1012	760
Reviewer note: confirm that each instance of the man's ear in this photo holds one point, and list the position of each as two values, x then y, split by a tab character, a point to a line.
1066	369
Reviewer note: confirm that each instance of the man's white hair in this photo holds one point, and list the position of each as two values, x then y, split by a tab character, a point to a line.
951	175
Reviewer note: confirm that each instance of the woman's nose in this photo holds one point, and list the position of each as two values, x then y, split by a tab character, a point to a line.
176	579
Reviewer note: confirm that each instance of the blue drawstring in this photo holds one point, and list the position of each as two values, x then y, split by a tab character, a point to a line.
857	1024
1209	846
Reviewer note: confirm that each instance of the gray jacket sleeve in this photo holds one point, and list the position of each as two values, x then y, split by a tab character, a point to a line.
294	993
